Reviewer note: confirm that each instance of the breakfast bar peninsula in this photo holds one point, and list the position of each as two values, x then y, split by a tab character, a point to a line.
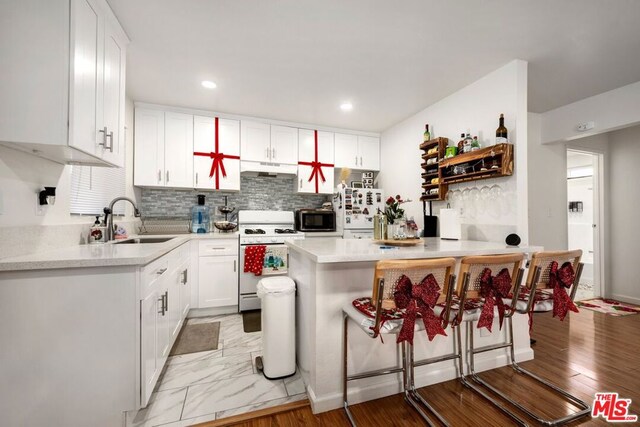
330	273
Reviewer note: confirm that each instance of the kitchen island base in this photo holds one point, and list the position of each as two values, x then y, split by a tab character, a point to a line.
324	288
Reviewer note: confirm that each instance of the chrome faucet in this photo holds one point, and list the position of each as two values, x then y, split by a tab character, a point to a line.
108	215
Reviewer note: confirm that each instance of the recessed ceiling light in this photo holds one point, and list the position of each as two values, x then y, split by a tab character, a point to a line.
346	106
209	84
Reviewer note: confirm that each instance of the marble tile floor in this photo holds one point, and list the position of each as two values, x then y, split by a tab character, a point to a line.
215	384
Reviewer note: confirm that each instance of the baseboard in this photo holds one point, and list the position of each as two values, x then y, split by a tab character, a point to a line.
212	311
424	376
626	298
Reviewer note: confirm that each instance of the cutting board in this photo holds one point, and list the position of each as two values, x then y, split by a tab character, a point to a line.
406	242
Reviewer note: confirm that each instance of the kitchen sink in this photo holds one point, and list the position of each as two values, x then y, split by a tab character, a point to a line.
139	240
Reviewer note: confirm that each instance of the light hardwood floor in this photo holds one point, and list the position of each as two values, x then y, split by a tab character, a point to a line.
587	353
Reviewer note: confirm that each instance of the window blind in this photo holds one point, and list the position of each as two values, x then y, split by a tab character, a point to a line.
92	188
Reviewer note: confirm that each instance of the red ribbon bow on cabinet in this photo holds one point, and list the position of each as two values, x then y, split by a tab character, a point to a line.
316	171
493	289
418	299
561	279
217	166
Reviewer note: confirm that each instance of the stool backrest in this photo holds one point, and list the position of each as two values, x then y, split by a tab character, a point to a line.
541	261
388	272
473	266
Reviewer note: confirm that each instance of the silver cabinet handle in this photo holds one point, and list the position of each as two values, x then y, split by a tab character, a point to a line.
356	160
300	183
161	301
184	276
161	271
103	131
167	175
110	136
159	176
234	265
266	153
360	160
166	301
196	178
273	153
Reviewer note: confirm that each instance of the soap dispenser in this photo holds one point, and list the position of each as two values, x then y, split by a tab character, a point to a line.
200	218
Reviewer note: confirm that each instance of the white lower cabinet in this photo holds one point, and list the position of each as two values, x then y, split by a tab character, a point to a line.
163	307
218	273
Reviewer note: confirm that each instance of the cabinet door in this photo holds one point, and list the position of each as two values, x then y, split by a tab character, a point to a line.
284	144
88	33
178	149
255	141
148	169
150	369
346	150
307	153
113	97
306	186
217	281
369	153
228	143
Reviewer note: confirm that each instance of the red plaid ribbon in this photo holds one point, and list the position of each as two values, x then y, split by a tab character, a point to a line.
316	171
217	166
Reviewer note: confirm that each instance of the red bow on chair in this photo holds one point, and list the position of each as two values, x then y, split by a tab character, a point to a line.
418	299
561	279
493	289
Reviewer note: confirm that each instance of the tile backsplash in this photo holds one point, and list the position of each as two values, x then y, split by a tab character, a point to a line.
272	193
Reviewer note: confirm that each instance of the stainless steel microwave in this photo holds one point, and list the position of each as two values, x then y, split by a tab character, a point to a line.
310	220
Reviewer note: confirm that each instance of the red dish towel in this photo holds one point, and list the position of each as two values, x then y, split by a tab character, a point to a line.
254	259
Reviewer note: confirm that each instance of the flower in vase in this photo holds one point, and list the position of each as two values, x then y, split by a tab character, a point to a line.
393	209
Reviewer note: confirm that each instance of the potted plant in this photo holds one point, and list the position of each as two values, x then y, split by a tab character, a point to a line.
395	217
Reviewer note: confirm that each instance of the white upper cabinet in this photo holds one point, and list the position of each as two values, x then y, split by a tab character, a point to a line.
228	145
178	150
357	152
284	144
256	141
316	178
163	149
66	79
265	143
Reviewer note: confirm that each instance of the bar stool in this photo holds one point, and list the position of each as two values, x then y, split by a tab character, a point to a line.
550	274
403	290
483	284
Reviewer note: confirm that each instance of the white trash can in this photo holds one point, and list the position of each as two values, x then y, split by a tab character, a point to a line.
278	295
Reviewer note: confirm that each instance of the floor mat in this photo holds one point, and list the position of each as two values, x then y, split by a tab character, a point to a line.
251	321
197	337
609	306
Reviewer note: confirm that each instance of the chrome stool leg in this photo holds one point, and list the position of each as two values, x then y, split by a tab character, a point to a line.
345	402
585	408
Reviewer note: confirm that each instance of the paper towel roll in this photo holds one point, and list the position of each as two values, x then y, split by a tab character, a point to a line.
449	224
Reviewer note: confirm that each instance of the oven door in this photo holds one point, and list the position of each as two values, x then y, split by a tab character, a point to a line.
248	298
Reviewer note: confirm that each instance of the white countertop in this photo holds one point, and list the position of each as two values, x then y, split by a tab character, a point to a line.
313	234
332	250
105	254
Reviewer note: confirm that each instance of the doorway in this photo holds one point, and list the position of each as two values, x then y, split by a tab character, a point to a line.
584	214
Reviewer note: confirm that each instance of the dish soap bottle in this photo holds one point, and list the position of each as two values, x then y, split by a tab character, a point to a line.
200	218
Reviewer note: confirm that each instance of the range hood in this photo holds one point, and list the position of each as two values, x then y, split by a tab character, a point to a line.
248	168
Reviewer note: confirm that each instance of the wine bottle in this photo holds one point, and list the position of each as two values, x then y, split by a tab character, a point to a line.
501	132
461	144
427	135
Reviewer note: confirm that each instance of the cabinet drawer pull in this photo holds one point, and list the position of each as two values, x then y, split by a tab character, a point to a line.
166	301
159	176
167	173
217	248
110	136
184	276
360	160
196	178
234	265
266	153
273	153
161	271
161	301
103	131
356	160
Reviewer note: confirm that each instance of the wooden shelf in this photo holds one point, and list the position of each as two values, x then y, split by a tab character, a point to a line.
434	169
426	185
431	143
500	155
429	176
428	156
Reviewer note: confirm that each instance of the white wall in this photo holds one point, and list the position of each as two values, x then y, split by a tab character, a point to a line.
624	236
475	108
609	111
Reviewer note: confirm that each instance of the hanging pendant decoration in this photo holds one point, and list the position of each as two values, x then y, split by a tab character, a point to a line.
217	165
316	165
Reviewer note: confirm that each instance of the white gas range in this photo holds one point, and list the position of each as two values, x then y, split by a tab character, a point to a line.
263	228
